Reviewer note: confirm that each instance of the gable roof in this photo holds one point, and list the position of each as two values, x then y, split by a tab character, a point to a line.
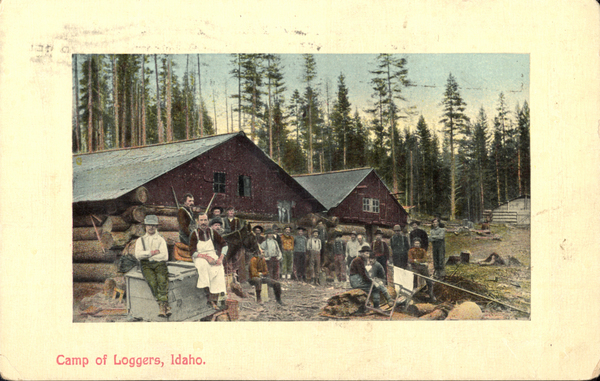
107	175
331	188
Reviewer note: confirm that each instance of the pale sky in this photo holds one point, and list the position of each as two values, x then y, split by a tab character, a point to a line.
481	78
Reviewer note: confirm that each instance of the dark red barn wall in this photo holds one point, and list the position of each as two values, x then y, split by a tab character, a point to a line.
351	209
238	156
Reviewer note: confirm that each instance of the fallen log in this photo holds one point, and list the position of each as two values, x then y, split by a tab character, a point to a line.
162	210
167	223
348	229
87	233
85	220
122	238
494	237
95	256
94	272
115	224
93	245
138	196
434	315
134	214
420	309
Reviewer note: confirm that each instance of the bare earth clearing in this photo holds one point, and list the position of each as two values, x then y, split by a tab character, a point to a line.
304	302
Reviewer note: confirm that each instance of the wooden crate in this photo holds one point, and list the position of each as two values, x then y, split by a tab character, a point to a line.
186	300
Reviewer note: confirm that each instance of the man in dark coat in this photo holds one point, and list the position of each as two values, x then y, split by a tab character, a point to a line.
185	217
415	232
381	250
399	245
360	277
231	223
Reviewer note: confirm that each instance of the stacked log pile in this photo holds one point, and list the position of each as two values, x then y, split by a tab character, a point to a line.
104	232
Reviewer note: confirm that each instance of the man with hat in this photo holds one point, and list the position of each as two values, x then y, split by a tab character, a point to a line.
287	248
381	250
258	230
185	217
272	254
360	277
437	236
399	245
313	260
231	223
216	224
259	275
209	250
217	212
339	253
415	232
151	250
300	241
352	248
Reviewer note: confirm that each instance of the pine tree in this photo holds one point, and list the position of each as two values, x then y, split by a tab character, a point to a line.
454	120
341	125
392	71
309	74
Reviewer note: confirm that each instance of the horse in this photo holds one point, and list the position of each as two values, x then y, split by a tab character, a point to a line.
236	259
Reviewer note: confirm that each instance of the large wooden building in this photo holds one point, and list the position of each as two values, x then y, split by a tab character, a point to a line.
229	166
113	190
355	196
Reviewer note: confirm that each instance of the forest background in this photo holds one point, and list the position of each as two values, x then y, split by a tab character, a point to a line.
444	147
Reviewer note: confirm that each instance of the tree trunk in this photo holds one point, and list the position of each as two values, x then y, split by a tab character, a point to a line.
201	103
161	132
169	100
94	245
93	272
116	99
134	214
109	256
87	233
115	224
138	196
143	142
90	132
77	127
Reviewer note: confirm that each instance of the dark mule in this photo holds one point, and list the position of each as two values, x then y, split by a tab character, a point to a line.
236	260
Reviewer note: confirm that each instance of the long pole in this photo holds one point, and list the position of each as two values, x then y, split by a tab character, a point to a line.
472	293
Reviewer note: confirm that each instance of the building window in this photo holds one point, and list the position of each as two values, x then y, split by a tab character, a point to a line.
371	205
219	182
244	186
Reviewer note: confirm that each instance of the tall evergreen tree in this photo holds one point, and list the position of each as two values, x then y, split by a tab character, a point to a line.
454	120
309	74
341	125
392	71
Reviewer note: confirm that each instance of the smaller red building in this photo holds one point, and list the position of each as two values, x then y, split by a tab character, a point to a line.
355	196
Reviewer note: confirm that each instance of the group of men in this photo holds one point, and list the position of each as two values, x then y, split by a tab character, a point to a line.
283	256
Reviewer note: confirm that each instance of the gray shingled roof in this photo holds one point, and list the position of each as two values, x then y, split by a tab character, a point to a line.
330	189
107	175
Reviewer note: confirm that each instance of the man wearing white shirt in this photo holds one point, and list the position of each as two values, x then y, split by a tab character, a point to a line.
151	250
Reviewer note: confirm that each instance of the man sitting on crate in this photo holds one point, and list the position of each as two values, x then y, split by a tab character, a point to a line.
151	250
259	275
209	250
360	276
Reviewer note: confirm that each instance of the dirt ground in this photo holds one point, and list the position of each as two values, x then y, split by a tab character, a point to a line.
303	302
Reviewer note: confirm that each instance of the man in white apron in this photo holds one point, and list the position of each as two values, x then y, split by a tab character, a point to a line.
209	252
